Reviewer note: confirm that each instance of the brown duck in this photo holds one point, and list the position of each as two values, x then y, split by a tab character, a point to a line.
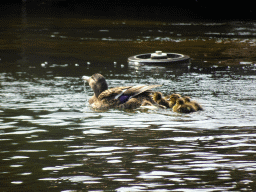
127	97
193	103
181	107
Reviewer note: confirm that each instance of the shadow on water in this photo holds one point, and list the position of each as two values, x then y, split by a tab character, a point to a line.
52	140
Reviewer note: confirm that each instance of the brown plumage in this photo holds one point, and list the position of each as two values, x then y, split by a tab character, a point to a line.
181	107
168	97
128	97
172	99
193	103
158	98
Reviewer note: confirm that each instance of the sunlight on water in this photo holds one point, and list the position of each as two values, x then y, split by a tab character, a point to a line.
52	139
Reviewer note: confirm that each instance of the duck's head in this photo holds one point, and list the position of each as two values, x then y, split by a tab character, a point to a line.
97	82
180	101
157	96
174	97
168	97
186	99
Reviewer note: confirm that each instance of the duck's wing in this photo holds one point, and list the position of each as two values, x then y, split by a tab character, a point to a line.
130	91
113	92
138	89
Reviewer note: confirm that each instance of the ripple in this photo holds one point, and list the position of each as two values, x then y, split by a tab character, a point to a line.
50	141
26	173
140	161
80	178
95	132
57	168
99	154
16	165
24	132
133	188
114	161
19	157
30	151
110	140
155	174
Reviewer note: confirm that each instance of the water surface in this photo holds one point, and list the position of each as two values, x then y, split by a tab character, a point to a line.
51	140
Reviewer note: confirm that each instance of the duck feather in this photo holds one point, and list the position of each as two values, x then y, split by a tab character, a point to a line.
132	91
113	92
138	89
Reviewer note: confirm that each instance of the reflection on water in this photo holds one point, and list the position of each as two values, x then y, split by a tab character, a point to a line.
52	140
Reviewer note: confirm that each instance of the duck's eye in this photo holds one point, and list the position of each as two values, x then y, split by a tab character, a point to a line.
92	77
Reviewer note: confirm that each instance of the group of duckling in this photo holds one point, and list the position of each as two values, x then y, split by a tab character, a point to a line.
176	102
131	97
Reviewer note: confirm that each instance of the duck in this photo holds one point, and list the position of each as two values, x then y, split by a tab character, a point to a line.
158	98
196	105
124	97
182	107
172	99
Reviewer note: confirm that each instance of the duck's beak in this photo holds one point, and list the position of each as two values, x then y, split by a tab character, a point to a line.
86	78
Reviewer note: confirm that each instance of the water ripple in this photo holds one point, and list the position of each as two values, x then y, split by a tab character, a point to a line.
53	140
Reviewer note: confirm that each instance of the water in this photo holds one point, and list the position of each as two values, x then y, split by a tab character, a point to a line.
51	140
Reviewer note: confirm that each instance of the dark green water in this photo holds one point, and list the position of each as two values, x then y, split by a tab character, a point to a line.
51	140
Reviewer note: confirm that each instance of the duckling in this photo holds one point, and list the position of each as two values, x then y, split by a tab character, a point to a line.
127	97
181	107
193	103
158	98
172	99
174	94
148	105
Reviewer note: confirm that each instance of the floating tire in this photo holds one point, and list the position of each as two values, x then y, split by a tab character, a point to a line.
159	58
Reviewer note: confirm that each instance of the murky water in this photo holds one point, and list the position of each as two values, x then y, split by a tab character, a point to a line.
51	140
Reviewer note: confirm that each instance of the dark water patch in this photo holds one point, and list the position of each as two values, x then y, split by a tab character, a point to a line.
79	40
